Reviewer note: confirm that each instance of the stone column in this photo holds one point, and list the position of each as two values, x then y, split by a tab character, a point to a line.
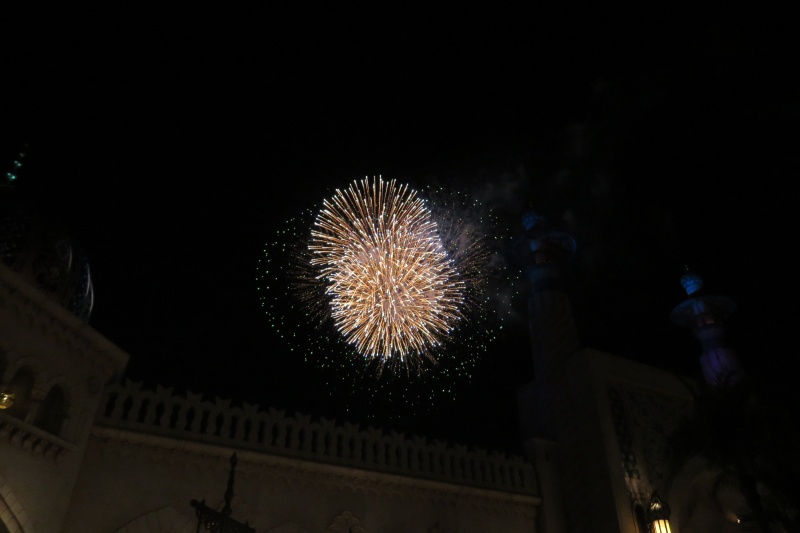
553	334
543	402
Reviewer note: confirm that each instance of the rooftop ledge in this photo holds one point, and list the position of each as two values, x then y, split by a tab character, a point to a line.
129	406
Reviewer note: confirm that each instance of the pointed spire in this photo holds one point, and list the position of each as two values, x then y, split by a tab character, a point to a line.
691	282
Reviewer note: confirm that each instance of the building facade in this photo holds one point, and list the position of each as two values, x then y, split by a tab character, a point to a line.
83	450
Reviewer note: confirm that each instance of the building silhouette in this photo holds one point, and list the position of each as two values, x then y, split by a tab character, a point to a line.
82	449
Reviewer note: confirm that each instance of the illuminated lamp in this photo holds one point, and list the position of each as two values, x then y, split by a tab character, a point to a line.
6	399
658	515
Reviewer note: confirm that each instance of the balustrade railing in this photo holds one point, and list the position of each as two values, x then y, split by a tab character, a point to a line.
188	417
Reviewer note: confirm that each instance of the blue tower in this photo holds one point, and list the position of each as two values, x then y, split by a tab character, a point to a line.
554	337
705	315
544	403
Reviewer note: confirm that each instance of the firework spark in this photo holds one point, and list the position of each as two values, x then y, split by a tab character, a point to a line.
394	291
294	296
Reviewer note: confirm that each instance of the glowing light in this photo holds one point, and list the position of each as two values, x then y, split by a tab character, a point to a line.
661	526
394	291
6	399
658	514
295	298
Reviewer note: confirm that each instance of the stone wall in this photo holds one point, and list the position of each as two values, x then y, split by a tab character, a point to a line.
153	450
133	481
44	348
188	417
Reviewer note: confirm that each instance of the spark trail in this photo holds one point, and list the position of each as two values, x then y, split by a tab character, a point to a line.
395	293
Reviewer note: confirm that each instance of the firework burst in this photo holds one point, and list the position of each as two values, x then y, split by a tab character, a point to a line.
395	292
299	283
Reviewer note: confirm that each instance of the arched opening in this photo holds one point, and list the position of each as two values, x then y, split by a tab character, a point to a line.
11	512
702	503
53	411
640	517
20	386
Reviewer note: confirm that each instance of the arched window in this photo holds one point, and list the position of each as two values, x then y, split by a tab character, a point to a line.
640	517
21	387
53	410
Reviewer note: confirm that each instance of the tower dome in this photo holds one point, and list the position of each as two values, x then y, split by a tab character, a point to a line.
36	246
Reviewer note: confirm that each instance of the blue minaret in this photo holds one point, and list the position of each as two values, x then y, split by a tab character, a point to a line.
544	404
705	315
554	337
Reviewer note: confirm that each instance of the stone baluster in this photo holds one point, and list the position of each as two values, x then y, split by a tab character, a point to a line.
341	442
247	426
277	429
439	458
194	412
328	448
157	409
394	447
165	412
356	438
459	459
136	398
222	417
117	394
290	427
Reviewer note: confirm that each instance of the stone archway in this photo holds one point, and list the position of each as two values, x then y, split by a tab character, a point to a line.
13	518
697	507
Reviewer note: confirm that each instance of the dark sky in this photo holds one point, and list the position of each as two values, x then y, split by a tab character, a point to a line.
174	143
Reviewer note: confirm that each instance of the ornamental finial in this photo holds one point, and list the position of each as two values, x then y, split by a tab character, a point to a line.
691	282
531	218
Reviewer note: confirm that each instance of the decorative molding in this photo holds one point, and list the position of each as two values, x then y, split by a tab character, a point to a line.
42	383
38	312
643	421
27	437
655	418
622	430
162	412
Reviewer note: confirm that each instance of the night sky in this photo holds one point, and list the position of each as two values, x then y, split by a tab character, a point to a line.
175	143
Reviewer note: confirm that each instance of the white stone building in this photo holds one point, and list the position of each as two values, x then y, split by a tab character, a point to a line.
82	450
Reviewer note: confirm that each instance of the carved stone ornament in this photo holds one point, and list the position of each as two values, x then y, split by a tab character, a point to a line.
346	523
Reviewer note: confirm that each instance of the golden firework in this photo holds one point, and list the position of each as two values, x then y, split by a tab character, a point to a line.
394	291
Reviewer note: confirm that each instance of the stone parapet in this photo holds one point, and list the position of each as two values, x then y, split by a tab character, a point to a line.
33	439
163	412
